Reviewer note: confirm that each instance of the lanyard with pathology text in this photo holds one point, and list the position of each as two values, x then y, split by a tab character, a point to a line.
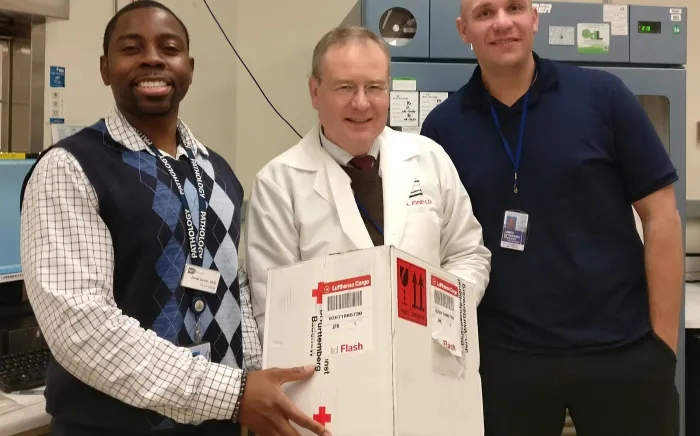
196	239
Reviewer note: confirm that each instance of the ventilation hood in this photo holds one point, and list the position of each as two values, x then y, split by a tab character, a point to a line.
35	9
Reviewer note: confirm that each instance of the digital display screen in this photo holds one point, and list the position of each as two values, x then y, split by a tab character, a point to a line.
649	27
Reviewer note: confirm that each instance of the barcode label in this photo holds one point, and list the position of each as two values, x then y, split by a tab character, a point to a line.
442	299
463	315
344	301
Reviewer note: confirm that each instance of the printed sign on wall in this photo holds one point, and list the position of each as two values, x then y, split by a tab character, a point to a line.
57	85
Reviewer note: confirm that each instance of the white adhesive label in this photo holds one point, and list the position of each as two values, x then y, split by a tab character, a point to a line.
618	17
593	38
404	109
347	316
428	102
562	35
542	8
446	325
403	84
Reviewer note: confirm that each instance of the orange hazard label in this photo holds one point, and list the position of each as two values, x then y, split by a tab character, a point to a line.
411	284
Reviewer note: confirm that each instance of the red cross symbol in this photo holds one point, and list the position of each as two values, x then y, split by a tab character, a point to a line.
318	293
321	417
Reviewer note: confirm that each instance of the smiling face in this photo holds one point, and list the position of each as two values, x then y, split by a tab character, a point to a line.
351	94
502	32
147	64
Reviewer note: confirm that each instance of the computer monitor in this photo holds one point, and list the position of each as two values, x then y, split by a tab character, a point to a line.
12	174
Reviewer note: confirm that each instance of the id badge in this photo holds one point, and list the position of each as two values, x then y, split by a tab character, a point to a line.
514	233
200	279
202	350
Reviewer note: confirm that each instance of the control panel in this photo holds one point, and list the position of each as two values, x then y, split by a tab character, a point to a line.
576	32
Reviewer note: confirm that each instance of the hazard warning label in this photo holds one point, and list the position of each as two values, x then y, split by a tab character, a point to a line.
411	284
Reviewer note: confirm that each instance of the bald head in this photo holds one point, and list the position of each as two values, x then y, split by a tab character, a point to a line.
500	32
465	6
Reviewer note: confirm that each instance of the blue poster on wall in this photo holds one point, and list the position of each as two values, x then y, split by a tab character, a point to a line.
57	77
57	83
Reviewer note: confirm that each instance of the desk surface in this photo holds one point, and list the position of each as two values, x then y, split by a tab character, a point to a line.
31	416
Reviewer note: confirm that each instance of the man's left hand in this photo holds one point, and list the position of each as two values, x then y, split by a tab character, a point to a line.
669	336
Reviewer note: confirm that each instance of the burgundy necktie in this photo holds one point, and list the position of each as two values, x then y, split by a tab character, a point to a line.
363	163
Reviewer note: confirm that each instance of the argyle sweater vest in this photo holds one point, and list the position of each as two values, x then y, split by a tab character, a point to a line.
367	187
139	203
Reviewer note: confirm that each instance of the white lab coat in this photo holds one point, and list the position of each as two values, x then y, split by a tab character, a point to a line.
301	207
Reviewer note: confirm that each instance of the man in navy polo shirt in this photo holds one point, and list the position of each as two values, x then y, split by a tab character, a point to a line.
579	313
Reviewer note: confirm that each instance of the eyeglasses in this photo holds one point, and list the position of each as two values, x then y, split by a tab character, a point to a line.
348	91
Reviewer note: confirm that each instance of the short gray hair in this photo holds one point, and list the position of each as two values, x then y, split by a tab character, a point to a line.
339	36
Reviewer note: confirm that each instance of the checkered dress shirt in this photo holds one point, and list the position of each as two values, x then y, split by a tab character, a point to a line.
68	264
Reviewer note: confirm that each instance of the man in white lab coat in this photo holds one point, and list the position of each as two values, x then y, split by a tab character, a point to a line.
353	183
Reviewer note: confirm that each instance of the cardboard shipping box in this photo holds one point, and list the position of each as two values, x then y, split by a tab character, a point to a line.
394	341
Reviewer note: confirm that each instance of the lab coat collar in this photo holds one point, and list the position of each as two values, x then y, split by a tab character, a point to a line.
333	184
312	154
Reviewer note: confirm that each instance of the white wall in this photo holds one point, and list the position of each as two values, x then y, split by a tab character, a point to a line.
208	108
77	44
281	63
224	107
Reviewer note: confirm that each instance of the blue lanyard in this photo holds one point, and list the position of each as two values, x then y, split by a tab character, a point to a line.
365	212
196	239
519	146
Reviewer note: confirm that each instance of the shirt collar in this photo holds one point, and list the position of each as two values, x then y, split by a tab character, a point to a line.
341	156
124	133
476	95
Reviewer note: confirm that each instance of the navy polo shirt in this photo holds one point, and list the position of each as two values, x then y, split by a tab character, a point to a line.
589	152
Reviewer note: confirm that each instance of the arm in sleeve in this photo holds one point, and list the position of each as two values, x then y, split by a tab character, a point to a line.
272	240
68	265
664	261
647	173
461	240
644	164
252	350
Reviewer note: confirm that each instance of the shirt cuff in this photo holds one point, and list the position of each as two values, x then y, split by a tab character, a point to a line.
220	390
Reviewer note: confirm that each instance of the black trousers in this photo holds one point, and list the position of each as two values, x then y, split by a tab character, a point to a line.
626	391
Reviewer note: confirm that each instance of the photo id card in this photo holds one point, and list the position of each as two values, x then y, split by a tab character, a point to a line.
514	232
200	279
202	350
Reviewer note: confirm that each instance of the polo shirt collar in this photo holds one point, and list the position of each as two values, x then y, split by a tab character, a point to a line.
476	95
